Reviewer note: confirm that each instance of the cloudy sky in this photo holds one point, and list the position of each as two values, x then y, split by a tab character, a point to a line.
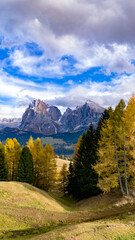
65	52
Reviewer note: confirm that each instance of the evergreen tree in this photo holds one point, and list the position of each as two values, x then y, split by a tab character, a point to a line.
103	118
85	178
3	170
71	182
26	168
64	178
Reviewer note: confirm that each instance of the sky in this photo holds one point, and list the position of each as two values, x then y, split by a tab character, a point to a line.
66	52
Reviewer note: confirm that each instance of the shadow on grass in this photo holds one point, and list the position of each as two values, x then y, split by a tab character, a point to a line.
30	232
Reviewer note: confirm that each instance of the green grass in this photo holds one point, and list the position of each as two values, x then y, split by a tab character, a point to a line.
30	213
132	237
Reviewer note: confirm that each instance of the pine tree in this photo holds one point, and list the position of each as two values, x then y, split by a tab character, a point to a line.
71	182
85	178
26	168
103	118
3	170
64	178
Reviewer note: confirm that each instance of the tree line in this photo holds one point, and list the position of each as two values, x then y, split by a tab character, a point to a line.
104	159
33	163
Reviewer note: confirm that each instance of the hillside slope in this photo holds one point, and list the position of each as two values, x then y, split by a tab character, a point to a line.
26	211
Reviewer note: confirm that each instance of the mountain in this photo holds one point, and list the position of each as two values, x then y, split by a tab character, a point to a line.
39	117
81	117
9	123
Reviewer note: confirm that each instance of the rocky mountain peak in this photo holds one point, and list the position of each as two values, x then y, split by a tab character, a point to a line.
38	105
92	105
81	117
40	117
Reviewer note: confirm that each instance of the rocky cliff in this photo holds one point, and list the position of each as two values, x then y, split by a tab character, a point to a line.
40	117
81	117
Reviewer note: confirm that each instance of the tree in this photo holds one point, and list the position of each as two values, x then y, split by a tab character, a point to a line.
17	154
71	182
85	178
77	148
26	168
12	154
129	124
64	178
119	132
36	149
115	151
3	170
48	168
37	160
103	118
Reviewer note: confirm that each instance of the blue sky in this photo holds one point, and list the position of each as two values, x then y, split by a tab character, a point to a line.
65	52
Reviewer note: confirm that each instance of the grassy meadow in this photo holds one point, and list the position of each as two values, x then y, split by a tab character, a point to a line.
30	213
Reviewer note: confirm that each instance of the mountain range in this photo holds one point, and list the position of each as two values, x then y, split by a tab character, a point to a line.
40	117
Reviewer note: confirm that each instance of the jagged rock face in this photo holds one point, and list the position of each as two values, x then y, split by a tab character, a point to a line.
9	123
41	118
81	117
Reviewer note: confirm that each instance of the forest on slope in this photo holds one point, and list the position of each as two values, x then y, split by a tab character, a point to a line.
103	161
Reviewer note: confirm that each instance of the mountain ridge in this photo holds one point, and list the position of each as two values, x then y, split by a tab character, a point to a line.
40	117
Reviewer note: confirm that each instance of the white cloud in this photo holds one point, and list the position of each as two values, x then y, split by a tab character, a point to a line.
71	27
93	34
106	94
103	93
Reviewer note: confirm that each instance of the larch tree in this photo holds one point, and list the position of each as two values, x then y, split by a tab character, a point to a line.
129	119
106	166
38	161
49	168
3	170
115	151
12	154
77	148
17	154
